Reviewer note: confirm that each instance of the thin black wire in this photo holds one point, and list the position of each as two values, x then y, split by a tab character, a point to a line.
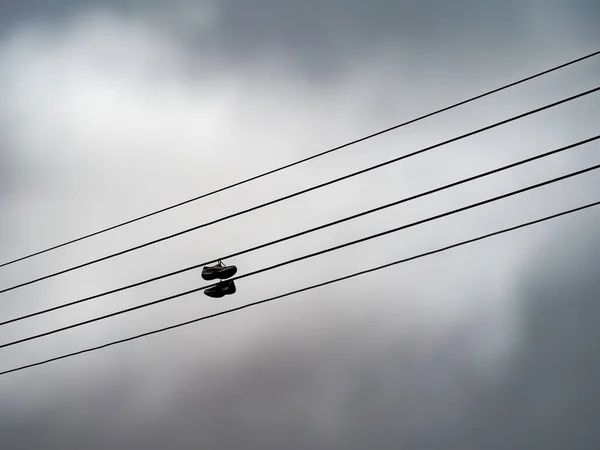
298	291
311	230
311	255
304	191
287	166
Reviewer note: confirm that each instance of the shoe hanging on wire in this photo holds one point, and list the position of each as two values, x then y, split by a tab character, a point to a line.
221	289
218	271
221	272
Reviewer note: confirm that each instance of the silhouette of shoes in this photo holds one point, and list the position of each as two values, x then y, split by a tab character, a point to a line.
219	270
221	289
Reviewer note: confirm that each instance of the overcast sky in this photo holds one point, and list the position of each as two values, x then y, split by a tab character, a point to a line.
110	109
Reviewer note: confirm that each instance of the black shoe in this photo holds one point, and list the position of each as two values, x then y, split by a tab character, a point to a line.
219	270
221	289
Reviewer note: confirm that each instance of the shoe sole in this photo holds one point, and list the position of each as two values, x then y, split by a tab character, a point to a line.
214	296
223	294
228	272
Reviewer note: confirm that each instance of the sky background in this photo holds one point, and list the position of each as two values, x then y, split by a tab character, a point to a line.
110	109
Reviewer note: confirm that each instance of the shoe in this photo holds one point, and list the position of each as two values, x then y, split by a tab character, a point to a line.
221	289
219	270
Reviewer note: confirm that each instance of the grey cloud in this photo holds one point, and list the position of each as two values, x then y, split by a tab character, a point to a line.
386	361
549	398
420	393
318	393
333	36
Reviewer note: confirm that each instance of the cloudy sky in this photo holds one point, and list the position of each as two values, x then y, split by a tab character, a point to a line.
111	109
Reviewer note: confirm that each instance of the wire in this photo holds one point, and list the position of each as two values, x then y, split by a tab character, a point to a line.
311	230
298	291
308	256
295	194
287	166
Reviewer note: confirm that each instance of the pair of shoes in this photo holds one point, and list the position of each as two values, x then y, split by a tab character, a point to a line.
219	271
221	289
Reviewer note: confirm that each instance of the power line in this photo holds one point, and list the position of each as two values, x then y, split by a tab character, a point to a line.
311	230
287	166
304	191
298	291
308	256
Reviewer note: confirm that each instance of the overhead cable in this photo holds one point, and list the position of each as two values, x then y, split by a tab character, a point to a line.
304	191
308	256
305	232
301	161
298	291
